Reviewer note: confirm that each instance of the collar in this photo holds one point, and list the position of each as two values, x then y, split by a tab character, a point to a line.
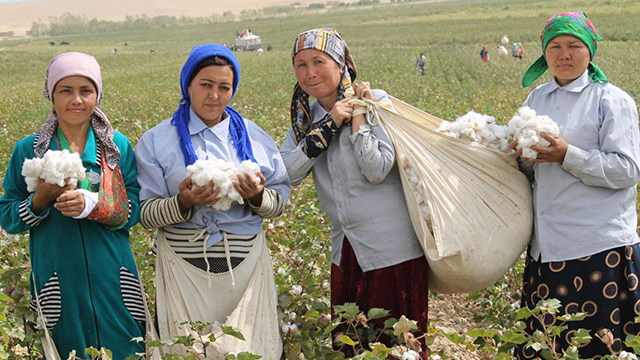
576	85
196	124
90	154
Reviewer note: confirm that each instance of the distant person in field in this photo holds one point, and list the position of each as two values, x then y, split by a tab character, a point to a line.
484	53
212	264
520	51
515	50
377	261
585	250
421	62
84	277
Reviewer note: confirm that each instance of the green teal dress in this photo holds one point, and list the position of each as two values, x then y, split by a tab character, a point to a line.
83	272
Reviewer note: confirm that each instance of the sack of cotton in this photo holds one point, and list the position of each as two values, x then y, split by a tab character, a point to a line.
470	205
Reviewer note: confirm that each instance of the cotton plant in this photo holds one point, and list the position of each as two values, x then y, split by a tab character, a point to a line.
480	128
223	174
55	167
526	126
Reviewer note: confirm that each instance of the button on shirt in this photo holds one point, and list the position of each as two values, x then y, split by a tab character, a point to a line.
359	187
161	169
587	204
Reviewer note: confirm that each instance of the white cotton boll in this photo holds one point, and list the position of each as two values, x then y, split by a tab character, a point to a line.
222	173
251	168
479	128
55	167
410	355
525	127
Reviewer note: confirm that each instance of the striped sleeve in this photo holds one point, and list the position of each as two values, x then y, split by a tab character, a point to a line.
29	217
157	213
272	205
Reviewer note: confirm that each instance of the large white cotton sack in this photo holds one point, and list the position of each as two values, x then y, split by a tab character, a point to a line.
479	204
223	174
55	167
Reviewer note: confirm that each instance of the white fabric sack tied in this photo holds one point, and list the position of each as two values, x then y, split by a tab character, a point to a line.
476	216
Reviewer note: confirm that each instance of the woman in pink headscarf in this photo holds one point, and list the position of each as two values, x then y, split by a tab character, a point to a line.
84	280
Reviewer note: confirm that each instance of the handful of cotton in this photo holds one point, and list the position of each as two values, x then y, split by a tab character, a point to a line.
479	128
55	167
223	174
526	126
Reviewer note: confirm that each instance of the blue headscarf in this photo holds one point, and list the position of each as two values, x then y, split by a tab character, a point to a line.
237	129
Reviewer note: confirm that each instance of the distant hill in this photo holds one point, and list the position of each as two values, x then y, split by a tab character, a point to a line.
18	17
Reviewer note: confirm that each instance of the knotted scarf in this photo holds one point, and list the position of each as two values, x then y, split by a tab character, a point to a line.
237	129
576	24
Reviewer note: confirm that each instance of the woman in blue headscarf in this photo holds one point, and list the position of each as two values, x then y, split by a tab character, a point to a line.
212	265
585	250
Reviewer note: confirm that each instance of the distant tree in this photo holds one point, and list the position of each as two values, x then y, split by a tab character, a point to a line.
39	29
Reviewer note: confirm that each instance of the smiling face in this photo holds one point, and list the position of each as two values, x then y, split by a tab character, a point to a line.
74	100
567	57
319	76
210	92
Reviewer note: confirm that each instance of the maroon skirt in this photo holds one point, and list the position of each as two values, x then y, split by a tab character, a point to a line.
401	289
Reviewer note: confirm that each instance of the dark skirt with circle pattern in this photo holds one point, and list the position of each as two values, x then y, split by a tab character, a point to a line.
604	286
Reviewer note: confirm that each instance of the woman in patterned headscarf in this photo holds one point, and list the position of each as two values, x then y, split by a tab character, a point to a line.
84	278
585	249
376	258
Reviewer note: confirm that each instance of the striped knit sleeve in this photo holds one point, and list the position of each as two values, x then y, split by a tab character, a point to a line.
29	217
272	205
157	213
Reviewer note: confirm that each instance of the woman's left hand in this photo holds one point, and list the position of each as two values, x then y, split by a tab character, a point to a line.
70	203
555	152
248	189
363	90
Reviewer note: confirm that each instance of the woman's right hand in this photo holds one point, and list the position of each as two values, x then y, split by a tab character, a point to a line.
46	193
341	112
517	152
191	194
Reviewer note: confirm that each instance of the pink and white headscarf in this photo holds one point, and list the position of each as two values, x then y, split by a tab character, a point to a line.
77	64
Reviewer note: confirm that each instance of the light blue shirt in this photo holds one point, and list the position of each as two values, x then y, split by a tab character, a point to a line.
587	204
359	187
161	169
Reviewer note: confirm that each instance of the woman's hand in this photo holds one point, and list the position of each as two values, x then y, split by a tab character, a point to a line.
191	194
70	203
362	91
341	112
555	152
248	189
46	193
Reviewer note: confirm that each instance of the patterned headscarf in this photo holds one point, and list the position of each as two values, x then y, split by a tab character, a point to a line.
237	129
576	24
76	64
330	42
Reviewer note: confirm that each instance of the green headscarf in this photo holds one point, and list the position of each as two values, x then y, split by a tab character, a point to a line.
576	24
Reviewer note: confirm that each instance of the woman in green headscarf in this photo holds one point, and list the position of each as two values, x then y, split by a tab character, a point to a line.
585	250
